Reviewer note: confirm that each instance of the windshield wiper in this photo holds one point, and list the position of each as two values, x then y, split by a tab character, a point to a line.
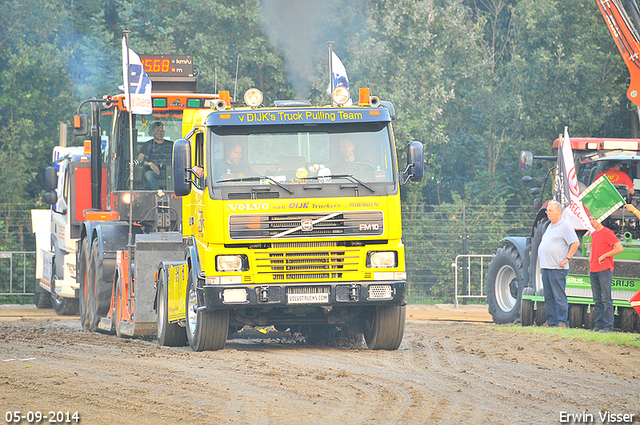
253	179
344	176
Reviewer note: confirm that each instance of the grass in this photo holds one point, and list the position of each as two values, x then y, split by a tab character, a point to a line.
615	338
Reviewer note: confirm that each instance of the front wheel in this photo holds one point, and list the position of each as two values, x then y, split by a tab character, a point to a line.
64	306
41	298
206	330
385	328
505	282
527	313
169	334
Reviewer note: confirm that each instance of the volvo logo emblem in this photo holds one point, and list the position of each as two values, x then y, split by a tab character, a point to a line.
306	225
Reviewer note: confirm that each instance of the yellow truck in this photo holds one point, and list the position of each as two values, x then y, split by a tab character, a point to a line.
290	218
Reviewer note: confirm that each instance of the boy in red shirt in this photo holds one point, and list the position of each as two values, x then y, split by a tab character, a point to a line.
604	245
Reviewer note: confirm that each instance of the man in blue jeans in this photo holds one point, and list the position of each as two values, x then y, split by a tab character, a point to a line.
556	249
604	245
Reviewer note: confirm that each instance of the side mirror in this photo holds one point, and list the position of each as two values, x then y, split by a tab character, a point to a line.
181	163
51	198
536	204
80	125
415	162
50	179
526	160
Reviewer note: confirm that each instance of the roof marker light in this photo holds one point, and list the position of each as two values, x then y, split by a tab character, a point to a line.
253	97
340	95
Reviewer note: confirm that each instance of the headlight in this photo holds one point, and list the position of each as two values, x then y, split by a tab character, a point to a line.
253	98
229	263
382	259
340	95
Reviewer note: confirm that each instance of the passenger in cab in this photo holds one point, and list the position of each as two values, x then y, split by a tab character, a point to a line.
617	176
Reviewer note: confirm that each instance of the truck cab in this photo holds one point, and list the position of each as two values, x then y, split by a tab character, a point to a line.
294	222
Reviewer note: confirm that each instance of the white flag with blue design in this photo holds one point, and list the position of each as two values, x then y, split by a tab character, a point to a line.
138	81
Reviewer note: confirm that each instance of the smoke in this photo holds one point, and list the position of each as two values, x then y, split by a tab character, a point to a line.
297	28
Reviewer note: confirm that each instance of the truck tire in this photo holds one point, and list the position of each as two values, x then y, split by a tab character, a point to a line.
628	317
117	310
206	330
62	306
505	283
83	268
41	297
575	315
588	316
385	328
99	289
169	334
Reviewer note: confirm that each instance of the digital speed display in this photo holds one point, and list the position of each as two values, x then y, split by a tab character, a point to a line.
168	65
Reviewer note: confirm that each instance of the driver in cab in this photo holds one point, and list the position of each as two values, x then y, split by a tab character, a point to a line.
617	176
233	166
348	150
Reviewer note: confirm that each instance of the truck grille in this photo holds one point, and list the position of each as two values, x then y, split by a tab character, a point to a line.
307	225
307	265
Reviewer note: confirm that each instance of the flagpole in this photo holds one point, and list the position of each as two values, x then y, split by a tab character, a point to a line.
128	87
331	71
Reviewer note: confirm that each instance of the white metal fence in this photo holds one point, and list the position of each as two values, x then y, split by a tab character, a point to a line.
17	274
470	271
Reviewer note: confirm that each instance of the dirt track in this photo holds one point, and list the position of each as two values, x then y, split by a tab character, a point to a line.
444	372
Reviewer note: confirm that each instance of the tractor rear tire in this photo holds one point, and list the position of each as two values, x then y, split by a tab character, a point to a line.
534	268
384	329
505	283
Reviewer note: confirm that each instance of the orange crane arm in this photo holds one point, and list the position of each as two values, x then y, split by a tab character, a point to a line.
624	32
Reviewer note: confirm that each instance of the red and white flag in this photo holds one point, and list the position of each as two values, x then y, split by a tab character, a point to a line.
566	190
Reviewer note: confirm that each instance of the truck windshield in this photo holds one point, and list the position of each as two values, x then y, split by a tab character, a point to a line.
301	154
